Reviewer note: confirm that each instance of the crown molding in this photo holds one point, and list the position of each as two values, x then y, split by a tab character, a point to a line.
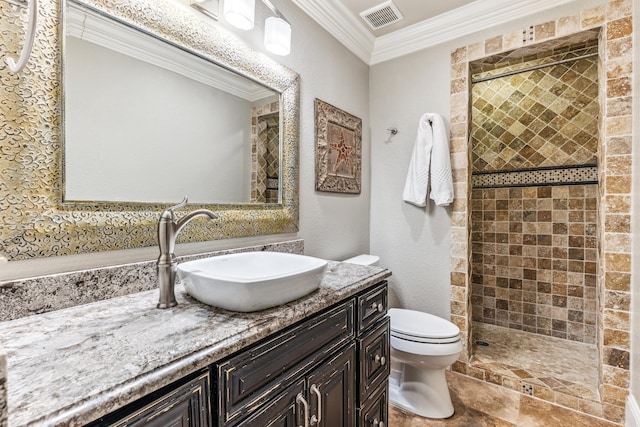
476	16
349	30
469	19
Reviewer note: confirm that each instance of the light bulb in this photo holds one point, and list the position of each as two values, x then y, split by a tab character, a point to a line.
240	13
277	36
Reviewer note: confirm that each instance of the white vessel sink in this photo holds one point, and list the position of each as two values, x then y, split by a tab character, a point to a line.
251	281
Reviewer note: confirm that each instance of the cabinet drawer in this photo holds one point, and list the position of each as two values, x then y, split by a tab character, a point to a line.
375	359
254	376
372	306
374	412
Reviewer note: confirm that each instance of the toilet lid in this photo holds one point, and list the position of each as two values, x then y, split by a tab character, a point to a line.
419	326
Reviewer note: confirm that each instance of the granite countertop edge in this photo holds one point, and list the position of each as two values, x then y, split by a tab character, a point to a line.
341	282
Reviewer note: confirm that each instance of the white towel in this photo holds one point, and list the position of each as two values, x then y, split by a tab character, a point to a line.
430	161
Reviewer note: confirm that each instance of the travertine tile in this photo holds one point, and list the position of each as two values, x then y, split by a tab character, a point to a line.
593	17
512	40
567	25
545	31
493	45
536	413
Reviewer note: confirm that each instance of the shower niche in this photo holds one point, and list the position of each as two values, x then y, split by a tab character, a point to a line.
535	121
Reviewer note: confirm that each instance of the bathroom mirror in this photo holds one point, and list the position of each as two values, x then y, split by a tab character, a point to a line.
146	121
38	221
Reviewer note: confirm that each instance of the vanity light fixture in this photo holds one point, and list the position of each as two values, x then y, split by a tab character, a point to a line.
241	13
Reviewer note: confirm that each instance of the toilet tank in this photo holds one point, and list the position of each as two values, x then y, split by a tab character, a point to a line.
364	259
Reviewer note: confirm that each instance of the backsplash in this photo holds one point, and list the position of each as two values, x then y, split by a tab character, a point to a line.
26	297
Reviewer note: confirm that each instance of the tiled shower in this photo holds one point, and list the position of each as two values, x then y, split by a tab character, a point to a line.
608	373
534	202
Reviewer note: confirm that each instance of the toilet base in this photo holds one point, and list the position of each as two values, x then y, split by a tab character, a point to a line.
428	397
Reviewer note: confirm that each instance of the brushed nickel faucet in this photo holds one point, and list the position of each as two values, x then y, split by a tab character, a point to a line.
168	229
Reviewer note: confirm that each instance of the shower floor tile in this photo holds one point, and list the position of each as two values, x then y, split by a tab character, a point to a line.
565	366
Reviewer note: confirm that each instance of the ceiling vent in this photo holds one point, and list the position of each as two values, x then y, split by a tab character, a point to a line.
382	15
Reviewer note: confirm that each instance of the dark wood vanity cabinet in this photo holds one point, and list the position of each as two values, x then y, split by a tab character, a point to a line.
329	370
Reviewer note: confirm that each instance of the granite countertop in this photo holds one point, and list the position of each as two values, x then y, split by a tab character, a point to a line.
71	366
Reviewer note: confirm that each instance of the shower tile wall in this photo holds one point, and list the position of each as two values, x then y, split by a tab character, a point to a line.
265	153
540	118
534	251
534	259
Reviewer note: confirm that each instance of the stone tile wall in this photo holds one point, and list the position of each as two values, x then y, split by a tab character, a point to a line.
538	118
615	18
265	149
535	259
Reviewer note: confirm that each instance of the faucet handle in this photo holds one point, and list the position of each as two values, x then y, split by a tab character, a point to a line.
169	211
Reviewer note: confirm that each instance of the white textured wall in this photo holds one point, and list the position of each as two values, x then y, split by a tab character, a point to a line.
415	242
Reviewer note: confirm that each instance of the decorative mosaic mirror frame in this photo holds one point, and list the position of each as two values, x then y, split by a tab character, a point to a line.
35	222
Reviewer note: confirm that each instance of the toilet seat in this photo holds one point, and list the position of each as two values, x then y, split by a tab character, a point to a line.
422	327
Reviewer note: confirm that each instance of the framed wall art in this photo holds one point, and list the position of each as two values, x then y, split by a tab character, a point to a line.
338	149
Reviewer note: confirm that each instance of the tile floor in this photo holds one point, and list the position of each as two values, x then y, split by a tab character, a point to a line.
568	367
480	404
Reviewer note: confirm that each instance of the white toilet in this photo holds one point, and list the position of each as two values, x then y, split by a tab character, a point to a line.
422	347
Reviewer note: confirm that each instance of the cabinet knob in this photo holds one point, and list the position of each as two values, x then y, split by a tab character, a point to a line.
377	423
378	307
380	359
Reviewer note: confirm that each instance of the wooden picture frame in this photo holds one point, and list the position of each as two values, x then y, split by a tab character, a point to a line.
338	149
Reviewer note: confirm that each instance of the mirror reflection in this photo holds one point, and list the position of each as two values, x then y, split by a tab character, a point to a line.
148	122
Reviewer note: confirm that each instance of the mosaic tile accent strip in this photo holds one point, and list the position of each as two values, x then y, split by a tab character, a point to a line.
587	174
534	259
544	117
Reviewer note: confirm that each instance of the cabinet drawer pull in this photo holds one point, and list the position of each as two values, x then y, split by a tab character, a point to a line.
316	419
380	310
377	423
380	359
300	400
377	306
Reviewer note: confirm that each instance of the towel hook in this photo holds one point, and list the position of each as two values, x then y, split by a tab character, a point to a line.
29	36
392	131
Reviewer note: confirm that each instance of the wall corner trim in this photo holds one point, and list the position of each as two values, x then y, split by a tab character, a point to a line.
632	413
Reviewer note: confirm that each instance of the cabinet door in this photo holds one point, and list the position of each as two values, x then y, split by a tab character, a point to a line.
186	406
332	392
282	411
375	412
374	356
